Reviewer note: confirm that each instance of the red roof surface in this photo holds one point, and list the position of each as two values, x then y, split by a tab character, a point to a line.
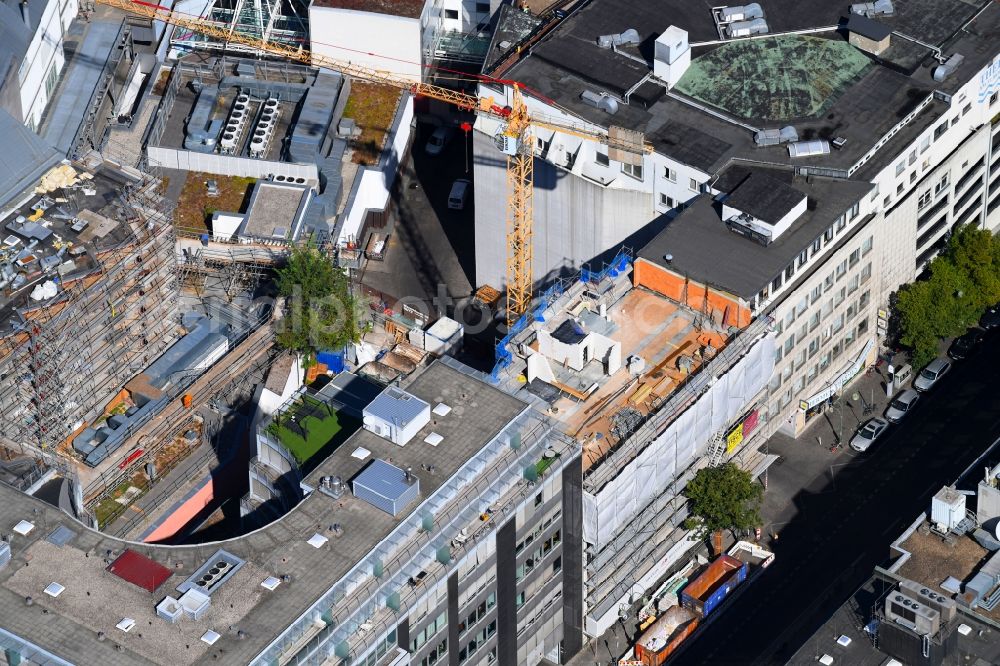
139	570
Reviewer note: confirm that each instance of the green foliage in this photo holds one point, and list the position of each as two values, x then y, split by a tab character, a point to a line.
723	498
320	311
963	281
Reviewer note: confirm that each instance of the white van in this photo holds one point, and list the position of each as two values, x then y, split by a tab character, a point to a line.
459	193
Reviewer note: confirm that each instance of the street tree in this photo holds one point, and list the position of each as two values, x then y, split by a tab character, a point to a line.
320	311
723	498
961	283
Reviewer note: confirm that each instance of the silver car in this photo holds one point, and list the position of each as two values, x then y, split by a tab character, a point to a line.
868	433
901	405
929	375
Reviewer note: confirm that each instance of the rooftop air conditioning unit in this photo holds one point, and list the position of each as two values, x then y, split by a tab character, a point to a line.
912	614
741	13
945	606
871	9
630	36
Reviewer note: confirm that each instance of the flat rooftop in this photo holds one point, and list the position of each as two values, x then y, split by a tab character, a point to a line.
848	619
706	250
818	83
403	8
274	208
95	600
87	222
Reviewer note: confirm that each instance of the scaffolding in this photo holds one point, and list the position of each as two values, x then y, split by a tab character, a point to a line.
64	360
276	21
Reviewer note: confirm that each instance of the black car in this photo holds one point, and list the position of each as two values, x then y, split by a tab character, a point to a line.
990	318
965	344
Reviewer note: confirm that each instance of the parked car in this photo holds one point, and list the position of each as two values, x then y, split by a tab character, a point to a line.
901	405
965	344
990	318
459	193
868	433
929	376
439	139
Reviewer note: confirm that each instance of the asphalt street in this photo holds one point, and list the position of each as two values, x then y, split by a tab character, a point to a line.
841	529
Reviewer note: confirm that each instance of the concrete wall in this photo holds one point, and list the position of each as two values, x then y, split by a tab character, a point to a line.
724	308
228	165
372	185
44	60
358	35
575	219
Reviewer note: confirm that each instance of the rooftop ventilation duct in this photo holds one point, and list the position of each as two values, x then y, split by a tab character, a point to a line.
772	137
808	148
741	13
757	26
941	72
630	36
601	101
870	9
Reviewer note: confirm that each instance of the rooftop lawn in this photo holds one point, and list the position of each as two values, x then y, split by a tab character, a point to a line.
310	426
373	107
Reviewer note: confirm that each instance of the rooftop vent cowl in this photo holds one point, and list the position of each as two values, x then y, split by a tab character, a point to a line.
601	101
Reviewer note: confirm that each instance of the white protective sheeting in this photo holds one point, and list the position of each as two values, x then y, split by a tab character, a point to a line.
684	440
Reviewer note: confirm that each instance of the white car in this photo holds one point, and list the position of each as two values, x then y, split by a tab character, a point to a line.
929	375
439	139
901	405
868	433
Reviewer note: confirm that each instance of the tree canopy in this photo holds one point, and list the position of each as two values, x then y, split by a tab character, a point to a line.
320	312
723	498
962	282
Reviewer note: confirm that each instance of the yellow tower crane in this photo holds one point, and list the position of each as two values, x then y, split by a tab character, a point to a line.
514	139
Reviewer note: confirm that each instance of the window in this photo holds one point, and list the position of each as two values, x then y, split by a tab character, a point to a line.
853	284
854	258
942	185
51	79
827	333
803	332
779	325
828	282
862	327
866	246
913	177
824	361
543	145
800	383
634	170
776	283
855	210
966	109
912	158
940	129
814	321
863	301
787	374
666	201
828	235
813	371
602	159
838	323
803	258
826	309
841	223
776	378
851	311
816	294
993	98
813	347
954	121
789	271
886	202
901	167
789	318
899	188
775	383
925	198
538	499
451	14
789	343
837	349
842	269
436	654
670	174
817	246
839	297
866	272
801	307
693	185
925	143
849	338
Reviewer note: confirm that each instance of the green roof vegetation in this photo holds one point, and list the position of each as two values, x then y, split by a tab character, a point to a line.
311	426
776	78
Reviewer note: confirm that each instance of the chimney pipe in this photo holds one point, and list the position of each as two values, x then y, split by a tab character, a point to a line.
24	13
